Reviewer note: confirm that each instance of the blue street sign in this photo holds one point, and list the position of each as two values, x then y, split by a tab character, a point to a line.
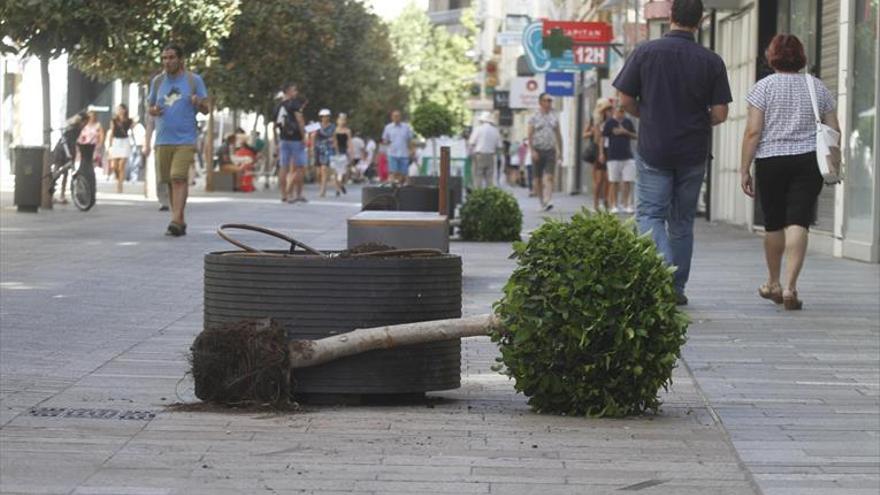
559	83
565	56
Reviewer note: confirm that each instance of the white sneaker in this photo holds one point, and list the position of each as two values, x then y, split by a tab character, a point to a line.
614	209
629	209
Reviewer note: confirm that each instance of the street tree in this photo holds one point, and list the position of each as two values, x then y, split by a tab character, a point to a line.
45	29
334	50
432	120
435	67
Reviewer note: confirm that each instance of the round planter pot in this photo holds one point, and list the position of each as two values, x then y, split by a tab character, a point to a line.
315	297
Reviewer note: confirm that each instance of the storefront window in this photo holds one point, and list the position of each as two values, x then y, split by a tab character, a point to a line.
861	164
799	17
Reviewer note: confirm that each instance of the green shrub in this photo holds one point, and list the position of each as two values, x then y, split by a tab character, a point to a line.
433	120
590	325
490	215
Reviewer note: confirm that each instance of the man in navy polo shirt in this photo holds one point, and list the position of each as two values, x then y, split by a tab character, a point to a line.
679	90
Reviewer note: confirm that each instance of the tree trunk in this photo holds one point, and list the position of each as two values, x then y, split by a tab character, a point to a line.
45	197
47	113
208	149
305	353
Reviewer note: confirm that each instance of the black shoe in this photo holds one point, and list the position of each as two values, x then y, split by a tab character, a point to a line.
176	229
681	299
164	208
343	190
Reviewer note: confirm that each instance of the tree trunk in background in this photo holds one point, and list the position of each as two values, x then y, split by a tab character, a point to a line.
209	151
47	113
45	198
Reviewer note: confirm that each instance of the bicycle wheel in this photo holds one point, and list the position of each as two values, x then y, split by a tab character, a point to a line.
81	193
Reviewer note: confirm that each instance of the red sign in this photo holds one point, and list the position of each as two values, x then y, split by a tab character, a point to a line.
581	32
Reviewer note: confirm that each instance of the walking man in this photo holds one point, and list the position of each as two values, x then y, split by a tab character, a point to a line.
619	131
545	141
175	96
484	144
289	125
397	135
679	89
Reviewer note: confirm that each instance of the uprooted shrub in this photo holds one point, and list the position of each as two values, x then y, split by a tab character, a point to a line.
589	321
490	215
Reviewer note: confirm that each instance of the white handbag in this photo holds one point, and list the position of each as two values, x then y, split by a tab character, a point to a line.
827	142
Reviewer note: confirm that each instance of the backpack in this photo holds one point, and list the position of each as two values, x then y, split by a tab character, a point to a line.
157	81
287	120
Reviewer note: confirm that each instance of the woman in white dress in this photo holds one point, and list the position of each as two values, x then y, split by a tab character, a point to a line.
120	144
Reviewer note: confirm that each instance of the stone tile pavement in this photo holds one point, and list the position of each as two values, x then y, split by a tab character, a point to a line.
98	309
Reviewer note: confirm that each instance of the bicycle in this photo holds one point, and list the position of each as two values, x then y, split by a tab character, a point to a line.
82	191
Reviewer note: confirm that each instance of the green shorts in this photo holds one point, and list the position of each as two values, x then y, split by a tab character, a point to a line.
173	161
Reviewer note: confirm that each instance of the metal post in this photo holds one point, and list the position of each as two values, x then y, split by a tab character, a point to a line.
579	130
444	180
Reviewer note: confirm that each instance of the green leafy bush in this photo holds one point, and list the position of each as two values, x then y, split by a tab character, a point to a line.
590	325
432	120
490	215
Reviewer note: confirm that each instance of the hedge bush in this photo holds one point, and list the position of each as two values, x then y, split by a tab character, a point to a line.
590	325
490	215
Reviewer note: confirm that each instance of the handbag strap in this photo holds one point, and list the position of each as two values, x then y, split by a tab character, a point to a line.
812	90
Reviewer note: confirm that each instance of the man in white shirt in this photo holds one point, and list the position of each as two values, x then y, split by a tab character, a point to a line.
484	143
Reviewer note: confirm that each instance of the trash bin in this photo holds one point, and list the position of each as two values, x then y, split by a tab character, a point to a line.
28	163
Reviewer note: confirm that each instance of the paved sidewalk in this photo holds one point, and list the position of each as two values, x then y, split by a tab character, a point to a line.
97	310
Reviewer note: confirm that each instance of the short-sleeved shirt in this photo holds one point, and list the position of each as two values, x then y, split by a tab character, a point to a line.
177	123
544	127
398	136
789	122
619	147
676	81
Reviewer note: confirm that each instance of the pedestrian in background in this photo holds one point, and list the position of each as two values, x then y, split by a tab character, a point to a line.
679	90
120	144
781	138
324	143
397	136
484	143
545	141
292	157
601	115
620	131
342	158
175	96
91	135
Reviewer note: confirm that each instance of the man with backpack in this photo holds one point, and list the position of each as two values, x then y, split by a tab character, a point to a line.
289	125
175	96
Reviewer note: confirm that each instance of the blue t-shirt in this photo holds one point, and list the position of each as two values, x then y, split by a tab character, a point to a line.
619	147
177	123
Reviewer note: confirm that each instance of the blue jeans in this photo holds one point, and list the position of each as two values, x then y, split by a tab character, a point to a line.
667	204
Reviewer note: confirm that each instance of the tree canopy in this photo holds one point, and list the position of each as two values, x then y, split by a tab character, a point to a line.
137	30
340	54
334	50
434	62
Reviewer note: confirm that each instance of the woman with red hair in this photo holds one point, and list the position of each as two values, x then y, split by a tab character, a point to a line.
780	137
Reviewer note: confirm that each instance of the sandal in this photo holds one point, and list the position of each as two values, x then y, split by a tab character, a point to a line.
790	301
773	293
176	229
